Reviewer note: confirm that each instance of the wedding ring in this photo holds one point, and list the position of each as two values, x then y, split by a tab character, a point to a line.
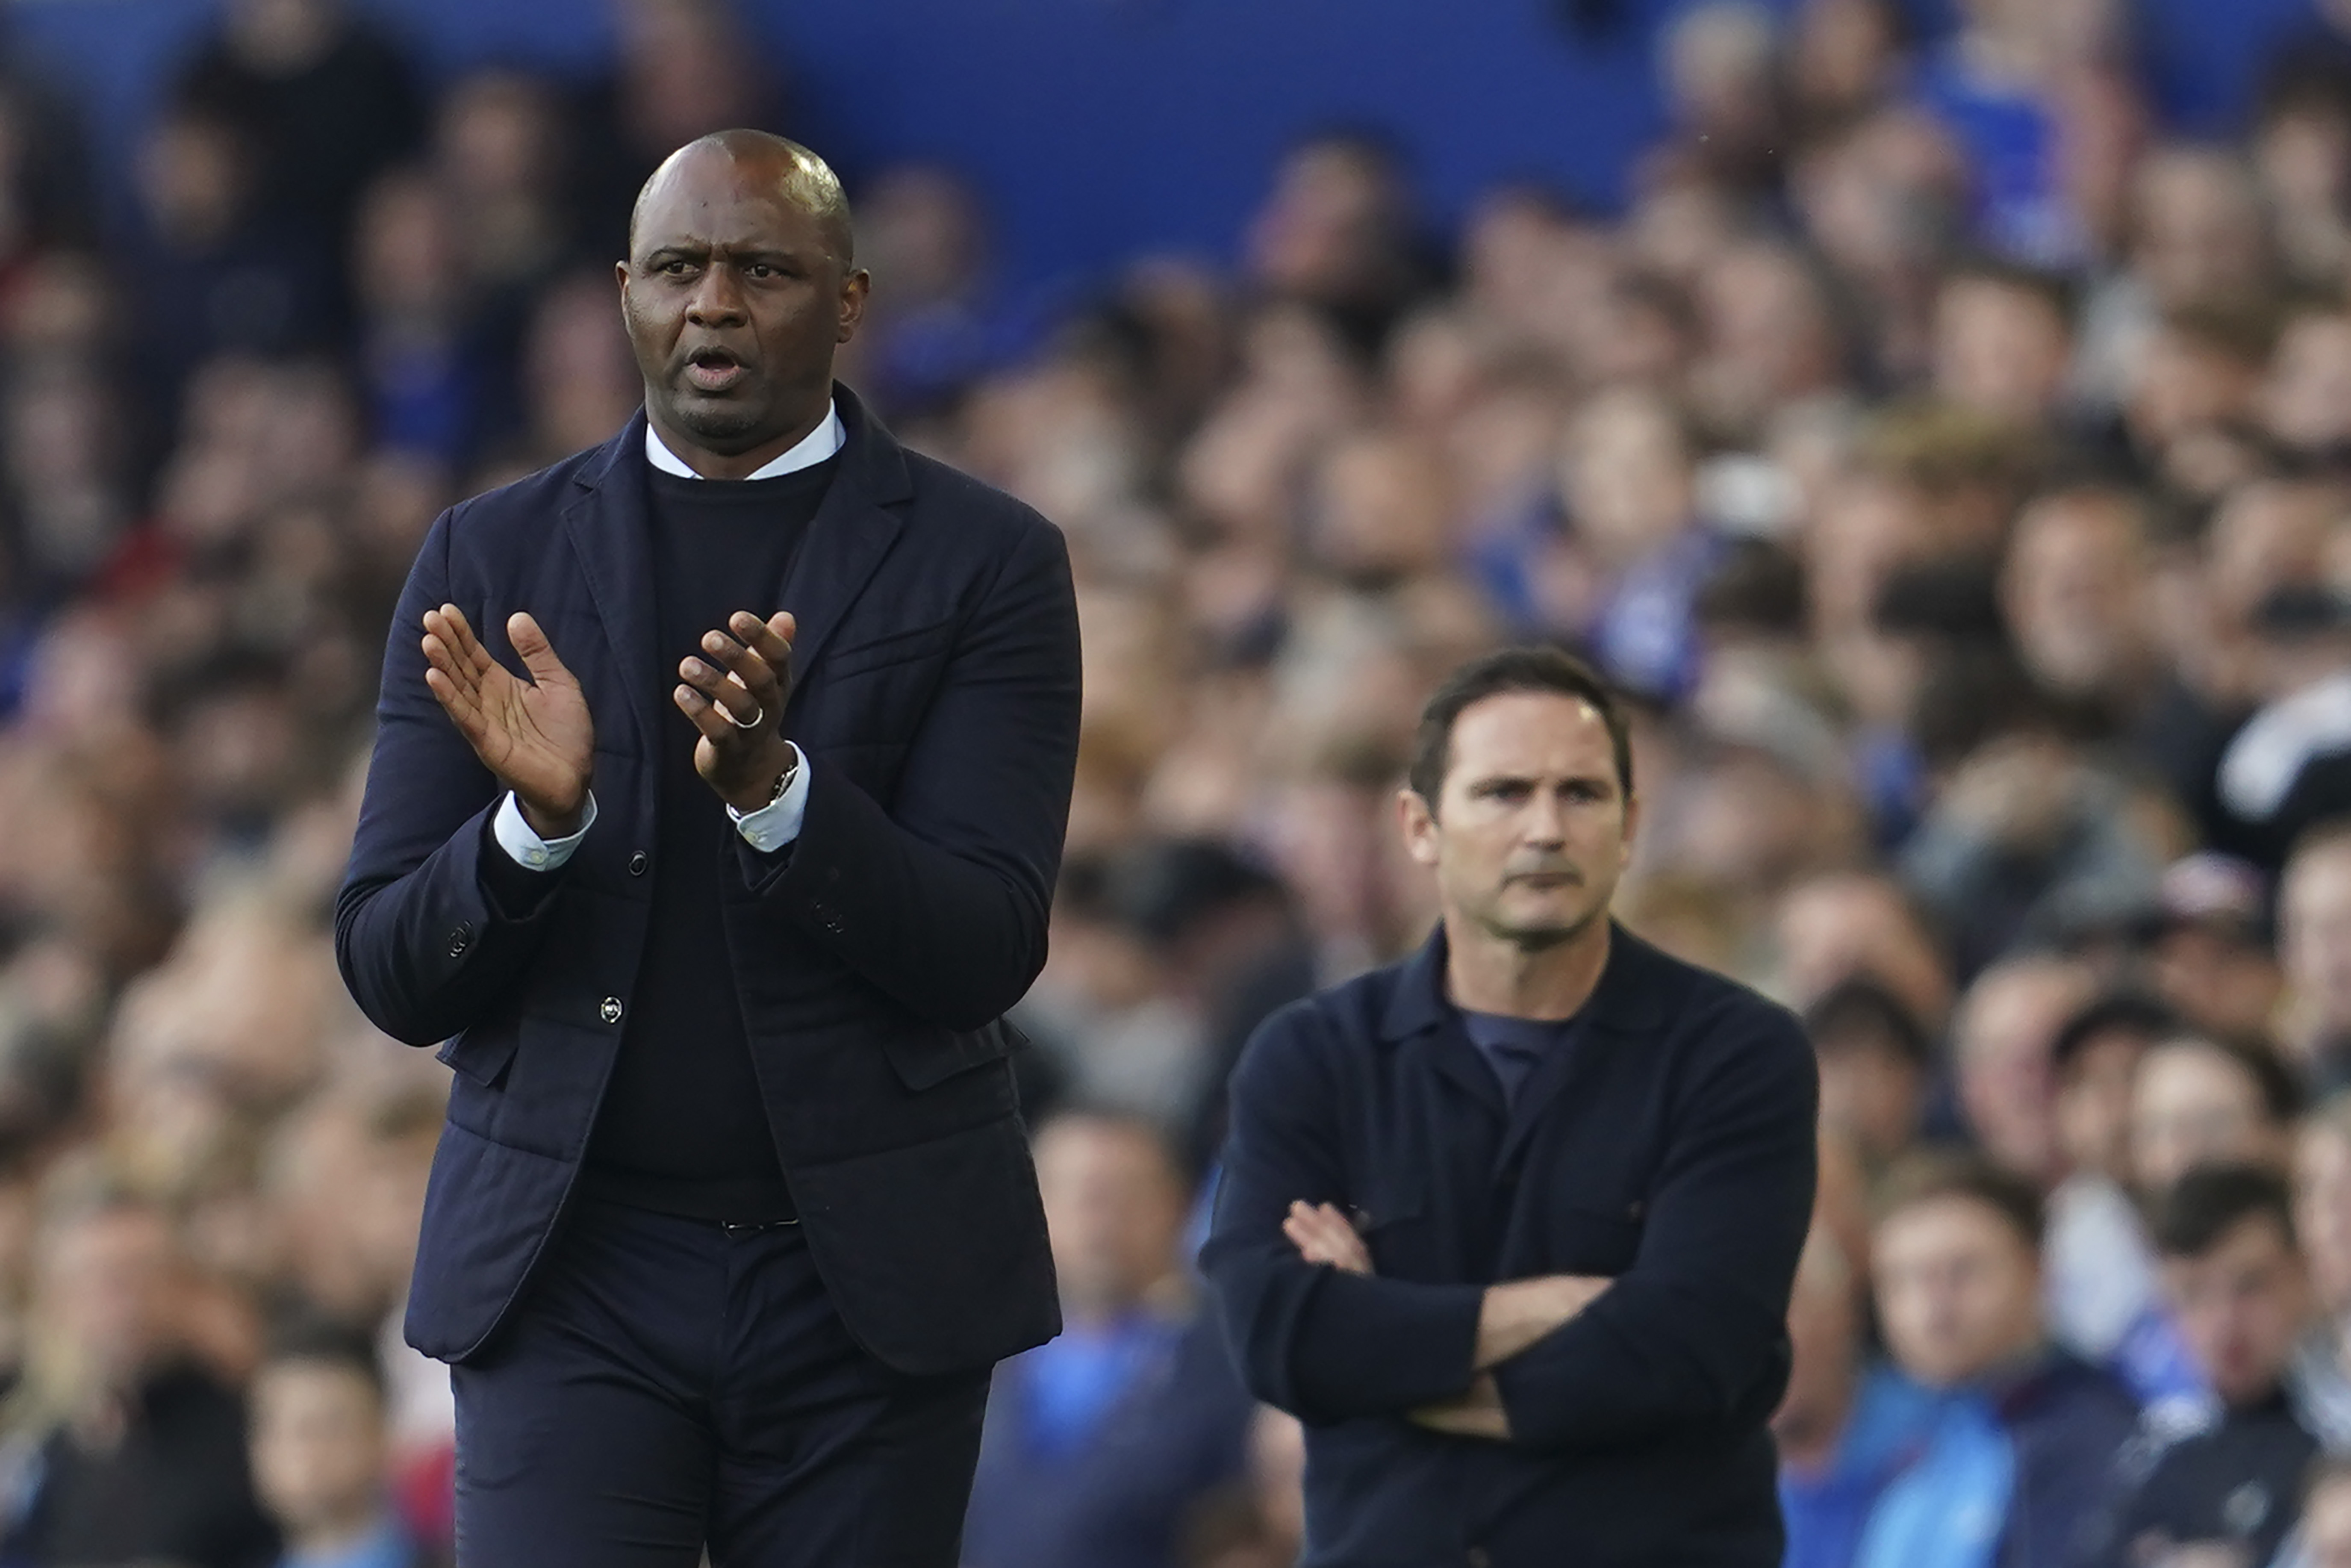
758	716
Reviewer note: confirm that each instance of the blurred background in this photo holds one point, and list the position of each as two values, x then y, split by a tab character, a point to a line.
1939	416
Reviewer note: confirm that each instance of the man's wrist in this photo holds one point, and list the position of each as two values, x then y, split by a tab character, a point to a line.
1514	1316
552	823
744	804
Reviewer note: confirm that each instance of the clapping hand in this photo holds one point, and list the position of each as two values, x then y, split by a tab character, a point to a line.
535	736
735	693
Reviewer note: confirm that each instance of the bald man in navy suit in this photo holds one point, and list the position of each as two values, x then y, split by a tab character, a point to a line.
716	801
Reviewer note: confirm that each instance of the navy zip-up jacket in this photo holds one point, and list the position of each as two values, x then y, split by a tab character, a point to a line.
1670	1146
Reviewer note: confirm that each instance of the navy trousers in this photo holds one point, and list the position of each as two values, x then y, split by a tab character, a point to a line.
668	1386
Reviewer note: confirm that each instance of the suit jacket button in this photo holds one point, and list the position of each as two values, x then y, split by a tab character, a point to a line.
610	1011
638	863
460	938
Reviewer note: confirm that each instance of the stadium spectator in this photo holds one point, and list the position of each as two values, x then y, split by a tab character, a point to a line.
2197	1100
2314	946
142	1453
2208	949
1102	1447
2321	1220
1873	1068
2022	1455
318	1454
2237	1288
2100	1267
325	101
2002	1043
1848	1424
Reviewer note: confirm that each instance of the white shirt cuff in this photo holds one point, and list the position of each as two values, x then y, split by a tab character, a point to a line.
776	824
525	846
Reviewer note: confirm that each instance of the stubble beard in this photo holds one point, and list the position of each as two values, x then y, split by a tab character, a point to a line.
1542	938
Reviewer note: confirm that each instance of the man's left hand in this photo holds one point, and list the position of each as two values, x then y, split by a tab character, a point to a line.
1322	1235
734	693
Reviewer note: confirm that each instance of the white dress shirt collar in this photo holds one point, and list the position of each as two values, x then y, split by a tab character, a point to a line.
813	449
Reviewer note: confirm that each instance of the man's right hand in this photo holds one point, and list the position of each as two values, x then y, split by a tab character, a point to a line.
535	735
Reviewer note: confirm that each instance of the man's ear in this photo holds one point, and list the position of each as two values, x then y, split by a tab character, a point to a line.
1632	830
1417	822
853	291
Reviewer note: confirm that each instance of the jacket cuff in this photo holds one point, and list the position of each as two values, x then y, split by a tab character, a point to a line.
513	891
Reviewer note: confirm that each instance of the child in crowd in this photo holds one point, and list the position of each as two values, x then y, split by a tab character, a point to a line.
320	1453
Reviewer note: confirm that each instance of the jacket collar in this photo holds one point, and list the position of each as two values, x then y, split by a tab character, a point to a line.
610	523
1629	999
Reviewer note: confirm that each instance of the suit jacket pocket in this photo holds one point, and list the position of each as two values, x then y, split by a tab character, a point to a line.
482	1054
923	1060
1392	1216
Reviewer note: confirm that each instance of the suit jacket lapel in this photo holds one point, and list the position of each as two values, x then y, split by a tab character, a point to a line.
853	528
611	528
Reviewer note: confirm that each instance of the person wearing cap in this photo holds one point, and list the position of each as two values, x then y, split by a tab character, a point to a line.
2208	945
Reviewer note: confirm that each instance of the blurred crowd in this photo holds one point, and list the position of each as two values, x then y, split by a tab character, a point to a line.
1955	467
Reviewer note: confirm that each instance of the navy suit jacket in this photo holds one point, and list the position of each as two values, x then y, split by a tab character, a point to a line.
1671	1148
935	696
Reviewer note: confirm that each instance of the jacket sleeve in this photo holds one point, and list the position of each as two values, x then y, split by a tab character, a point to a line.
1696	1329
940	899
1321	1343
431	930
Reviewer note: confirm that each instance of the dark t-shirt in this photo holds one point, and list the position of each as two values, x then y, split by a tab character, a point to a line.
683	1128
1514	1047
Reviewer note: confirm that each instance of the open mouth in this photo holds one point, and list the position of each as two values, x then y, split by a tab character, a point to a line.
713	370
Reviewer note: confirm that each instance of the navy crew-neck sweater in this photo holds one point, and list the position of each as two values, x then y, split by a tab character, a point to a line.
683	1128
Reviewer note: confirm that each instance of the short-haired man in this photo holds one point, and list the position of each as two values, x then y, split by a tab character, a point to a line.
1875	1067
1102	1444
318	1452
2242	1299
1511	1225
2021	1456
